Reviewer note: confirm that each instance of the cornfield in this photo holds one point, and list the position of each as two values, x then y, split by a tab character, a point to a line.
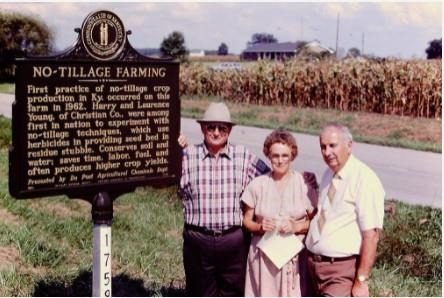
409	87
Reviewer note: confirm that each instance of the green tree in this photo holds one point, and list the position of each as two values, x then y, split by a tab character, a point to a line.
223	49
174	46
262	38
353	53
21	34
434	51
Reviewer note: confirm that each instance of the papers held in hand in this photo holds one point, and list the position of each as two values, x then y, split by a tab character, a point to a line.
280	248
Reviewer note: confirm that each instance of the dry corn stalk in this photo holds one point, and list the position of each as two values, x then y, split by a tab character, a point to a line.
396	87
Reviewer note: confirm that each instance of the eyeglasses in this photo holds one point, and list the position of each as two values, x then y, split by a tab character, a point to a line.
284	157
221	127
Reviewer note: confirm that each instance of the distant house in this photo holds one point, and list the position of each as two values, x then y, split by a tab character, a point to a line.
197	53
315	49
285	50
273	51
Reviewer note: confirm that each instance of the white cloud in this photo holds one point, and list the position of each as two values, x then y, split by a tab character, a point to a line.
189	12
345	10
146	7
413	14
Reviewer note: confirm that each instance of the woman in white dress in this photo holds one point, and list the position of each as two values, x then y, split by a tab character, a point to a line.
278	201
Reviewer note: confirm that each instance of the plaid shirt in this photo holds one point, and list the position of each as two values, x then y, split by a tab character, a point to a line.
211	188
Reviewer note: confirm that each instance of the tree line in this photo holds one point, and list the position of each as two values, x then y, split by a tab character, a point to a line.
23	34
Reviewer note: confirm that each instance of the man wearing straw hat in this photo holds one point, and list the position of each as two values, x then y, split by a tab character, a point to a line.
214	175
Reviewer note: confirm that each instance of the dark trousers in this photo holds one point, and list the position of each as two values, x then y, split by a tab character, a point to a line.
215	265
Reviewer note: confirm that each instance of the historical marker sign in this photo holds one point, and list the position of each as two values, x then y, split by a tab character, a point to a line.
103	35
82	125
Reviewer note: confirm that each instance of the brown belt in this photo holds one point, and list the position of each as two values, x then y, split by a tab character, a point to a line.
209	232
321	258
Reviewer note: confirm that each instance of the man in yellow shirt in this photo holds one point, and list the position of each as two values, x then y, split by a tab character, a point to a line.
344	234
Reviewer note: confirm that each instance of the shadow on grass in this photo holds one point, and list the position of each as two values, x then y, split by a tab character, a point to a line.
122	286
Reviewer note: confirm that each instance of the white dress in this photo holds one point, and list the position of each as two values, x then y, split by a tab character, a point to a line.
263	278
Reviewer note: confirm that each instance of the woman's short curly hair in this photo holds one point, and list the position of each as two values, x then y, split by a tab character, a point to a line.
281	136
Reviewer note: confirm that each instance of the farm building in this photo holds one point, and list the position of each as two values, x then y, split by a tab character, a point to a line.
285	50
315	48
273	51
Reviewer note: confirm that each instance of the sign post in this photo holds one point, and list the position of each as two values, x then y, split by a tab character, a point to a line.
101	278
102	213
95	122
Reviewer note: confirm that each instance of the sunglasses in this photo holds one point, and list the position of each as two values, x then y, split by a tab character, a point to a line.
221	127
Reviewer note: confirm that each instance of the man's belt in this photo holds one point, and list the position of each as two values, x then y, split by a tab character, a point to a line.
321	258
209	232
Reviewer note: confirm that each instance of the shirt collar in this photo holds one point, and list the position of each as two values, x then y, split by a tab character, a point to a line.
347	169
227	151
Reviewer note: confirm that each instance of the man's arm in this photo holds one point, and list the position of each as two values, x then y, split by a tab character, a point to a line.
367	257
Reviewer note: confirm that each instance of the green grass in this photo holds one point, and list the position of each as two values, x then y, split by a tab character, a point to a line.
409	253
7	88
5	131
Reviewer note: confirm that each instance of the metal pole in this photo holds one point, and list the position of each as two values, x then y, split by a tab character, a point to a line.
102	214
362	45
302	29
102	261
337	35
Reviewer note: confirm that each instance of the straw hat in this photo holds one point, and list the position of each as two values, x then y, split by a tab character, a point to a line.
217	112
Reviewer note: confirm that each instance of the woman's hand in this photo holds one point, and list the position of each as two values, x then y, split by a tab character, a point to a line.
287	227
268	224
295	226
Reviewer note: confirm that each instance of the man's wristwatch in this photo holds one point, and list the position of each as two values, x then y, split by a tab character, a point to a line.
362	277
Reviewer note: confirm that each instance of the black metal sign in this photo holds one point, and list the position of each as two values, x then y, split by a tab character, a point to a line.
97	117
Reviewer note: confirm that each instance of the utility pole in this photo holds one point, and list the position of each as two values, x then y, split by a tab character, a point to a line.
362	45
302	28
337	35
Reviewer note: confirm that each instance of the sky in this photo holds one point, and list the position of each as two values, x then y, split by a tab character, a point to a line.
397	29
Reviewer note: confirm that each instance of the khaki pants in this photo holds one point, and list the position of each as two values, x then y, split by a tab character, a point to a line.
333	279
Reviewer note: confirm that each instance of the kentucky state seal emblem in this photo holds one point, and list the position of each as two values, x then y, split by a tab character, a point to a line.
103	35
